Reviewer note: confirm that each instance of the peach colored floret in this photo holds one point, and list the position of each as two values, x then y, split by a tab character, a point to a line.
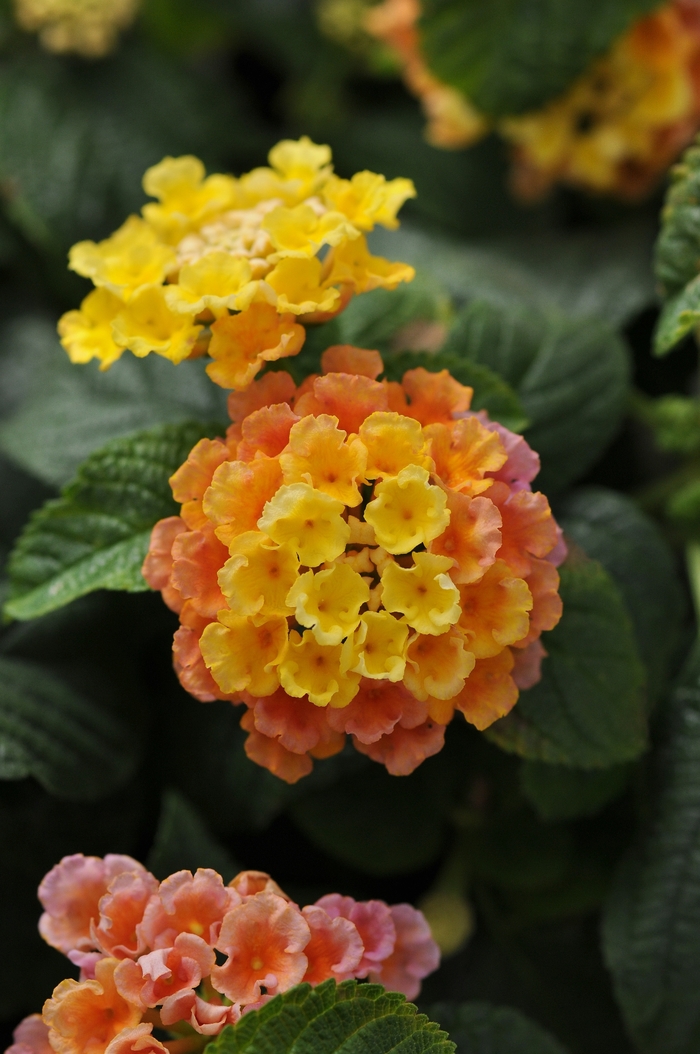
529	529
158	565
435	396
373	921
404	749
139	1040
31	1037
296	724
187	903
193	477
527	668
547	606
84	1017
415	954
275	387
189	666
121	910
375	710
490	691
345	358
197	558
348	397
240	344
248	883
206	1018
238	495
271	755
71	893
161	974
266	431
264	940
472	537
335	949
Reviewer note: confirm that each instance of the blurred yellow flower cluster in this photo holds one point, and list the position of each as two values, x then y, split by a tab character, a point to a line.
232	266
615	130
87	27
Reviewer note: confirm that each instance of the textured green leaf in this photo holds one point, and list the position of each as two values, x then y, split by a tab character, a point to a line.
588	711
509	56
334	1019
479	1028
74	747
571	377
677	256
652	919
59	413
604	273
679	315
491	392
610	528
95	536
183	841
560	793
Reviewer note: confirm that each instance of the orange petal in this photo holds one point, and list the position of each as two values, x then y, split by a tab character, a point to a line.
490	691
435	396
345	358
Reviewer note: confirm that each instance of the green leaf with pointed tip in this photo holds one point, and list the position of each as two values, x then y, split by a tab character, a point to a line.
589	709
479	1028
652	918
72	745
678	317
491	392
348	1018
677	258
95	536
509	56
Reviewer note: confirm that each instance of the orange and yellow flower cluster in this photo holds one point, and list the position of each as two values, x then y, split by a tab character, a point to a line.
615	130
86	27
358	557
147	953
233	266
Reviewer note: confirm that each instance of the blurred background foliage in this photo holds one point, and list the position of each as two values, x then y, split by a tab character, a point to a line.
510	840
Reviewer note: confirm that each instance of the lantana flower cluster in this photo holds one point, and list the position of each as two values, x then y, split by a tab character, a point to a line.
86	27
190	955
358	557
615	130
234	267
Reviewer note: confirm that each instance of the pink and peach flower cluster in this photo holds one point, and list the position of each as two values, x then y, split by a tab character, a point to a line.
190	955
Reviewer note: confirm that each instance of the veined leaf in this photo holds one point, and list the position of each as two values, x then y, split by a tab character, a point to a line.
479	1028
677	261
334	1019
509	56
589	709
652	919
73	746
95	536
679	316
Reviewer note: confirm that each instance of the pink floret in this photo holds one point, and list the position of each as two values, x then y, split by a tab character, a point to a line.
206	1018
136	1040
335	949
31	1037
159	975
188	904
415	955
121	911
87	962
374	923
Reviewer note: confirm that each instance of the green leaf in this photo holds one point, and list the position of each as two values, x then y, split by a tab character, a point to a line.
677	256
610	528
375	320
589	709
63	412
75	748
95	536
650	930
571	377
183	842
491	392
679	315
348	1018
560	793
509	56
674	419
603	273
480	1028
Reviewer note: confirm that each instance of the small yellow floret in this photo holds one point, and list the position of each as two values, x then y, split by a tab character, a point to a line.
301	231
378	647
318	454
309	520
437	667
87	334
243	656
329	602
297	284
407	510
424	594
368	198
133	257
393	442
216	281
258	575
354	265
186	198
316	670
147	324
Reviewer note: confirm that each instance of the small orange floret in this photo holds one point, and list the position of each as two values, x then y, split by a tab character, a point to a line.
158	565
197	557
376	710
490	692
240	344
529	529
189	666
187	903
404	749
84	1017
335	948
271	755
472	537
238	495
296	724
121	910
266	431
275	387
495	611
346	396
345	358
435	396
193	477
464	453
547	606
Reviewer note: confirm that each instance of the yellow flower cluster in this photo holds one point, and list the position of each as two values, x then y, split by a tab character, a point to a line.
86	27
233	265
615	130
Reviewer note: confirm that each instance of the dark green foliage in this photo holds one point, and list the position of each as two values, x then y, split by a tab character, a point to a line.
509	56
588	711
95	536
182	841
478	1028
347	1018
560	793
651	922
571	378
678	255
